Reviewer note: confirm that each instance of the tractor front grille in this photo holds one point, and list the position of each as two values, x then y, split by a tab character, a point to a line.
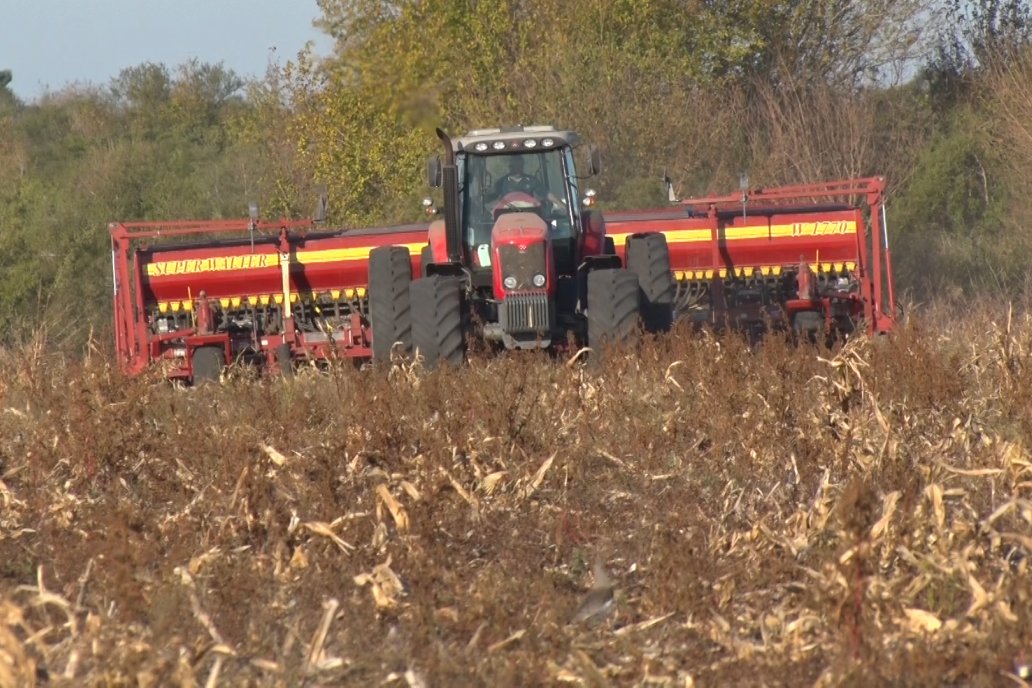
528	312
522	263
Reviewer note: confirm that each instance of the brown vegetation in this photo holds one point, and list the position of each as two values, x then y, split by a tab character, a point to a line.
768	516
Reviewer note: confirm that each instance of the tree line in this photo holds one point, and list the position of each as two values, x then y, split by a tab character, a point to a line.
790	91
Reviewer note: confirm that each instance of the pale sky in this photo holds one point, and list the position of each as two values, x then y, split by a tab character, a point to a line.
48	44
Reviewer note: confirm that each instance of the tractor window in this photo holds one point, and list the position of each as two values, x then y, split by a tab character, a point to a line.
488	178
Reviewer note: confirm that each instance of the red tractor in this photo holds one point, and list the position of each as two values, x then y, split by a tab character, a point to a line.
517	259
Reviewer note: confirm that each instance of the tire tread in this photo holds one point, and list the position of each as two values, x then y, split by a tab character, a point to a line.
648	256
437	320
614	305
390	273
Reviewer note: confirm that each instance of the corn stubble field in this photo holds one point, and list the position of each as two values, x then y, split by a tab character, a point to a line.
772	516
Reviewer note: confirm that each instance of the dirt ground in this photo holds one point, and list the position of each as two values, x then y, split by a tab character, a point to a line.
767	516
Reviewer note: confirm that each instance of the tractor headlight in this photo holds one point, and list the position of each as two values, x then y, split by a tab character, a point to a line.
480	147
539	280
530	143
162	325
509	282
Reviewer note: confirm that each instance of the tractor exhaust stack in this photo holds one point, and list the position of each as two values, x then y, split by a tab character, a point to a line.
450	182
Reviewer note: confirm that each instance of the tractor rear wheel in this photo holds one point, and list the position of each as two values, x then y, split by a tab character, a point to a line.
390	274
614	305
648	256
207	363
437	320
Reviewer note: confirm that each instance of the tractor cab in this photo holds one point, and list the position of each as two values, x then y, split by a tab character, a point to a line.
535	181
511	171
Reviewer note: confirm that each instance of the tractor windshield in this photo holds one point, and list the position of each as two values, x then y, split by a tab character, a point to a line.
486	179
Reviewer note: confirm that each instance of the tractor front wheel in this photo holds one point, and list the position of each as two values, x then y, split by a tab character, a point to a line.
390	274
614	305
437	320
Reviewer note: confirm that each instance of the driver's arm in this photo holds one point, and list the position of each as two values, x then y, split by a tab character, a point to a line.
553	198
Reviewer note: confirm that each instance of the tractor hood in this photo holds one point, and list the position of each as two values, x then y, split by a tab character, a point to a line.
522	255
522	229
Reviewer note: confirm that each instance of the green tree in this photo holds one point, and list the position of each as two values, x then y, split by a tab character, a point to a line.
645	80
157	143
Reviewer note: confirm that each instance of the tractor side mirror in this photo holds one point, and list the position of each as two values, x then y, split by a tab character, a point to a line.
594	160
321	208
668	183
434	175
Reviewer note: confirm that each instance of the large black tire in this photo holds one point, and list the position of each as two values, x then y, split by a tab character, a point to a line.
390	274
437	320
207	363
285	360
648	257
426	256
614	305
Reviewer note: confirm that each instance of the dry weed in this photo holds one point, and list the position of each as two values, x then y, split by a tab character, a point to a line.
771	515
